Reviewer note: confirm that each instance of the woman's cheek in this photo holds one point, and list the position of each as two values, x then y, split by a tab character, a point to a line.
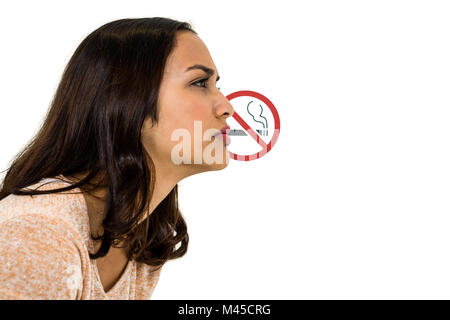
198	111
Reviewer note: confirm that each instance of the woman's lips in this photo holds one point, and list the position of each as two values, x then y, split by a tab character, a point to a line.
224	134
225	137
225	129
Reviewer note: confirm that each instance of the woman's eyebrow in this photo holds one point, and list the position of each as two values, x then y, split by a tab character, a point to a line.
207	70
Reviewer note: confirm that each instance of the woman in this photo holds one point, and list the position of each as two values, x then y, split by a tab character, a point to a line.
89	209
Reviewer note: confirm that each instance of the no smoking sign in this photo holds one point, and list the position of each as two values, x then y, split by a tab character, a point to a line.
254	127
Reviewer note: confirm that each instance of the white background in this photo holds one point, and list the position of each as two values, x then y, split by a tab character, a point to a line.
353	200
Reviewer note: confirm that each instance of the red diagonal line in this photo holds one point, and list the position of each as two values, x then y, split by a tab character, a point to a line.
250	131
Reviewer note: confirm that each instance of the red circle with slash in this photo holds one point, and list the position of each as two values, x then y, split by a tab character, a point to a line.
266	147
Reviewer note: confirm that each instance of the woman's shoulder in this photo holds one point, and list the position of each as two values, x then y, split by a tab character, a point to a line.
65	207
42	255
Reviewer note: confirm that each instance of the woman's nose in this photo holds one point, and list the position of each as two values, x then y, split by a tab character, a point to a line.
223	108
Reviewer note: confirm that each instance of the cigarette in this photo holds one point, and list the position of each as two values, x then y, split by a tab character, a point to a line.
240	132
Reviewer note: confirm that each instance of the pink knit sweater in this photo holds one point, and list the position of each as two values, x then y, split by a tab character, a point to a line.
44	242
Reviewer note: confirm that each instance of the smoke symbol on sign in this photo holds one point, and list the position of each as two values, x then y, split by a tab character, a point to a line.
257	116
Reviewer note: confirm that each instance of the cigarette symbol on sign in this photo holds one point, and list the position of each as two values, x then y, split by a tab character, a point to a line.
256	112
240	132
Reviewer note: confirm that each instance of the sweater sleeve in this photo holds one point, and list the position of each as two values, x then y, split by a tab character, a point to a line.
38	259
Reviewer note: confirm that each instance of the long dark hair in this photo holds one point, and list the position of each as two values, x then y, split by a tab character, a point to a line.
108	88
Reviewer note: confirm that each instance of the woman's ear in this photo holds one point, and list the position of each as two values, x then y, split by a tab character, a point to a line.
147	125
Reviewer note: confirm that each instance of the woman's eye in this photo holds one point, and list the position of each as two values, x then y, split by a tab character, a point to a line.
202	83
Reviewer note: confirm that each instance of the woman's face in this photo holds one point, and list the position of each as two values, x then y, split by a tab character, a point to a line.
191	111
